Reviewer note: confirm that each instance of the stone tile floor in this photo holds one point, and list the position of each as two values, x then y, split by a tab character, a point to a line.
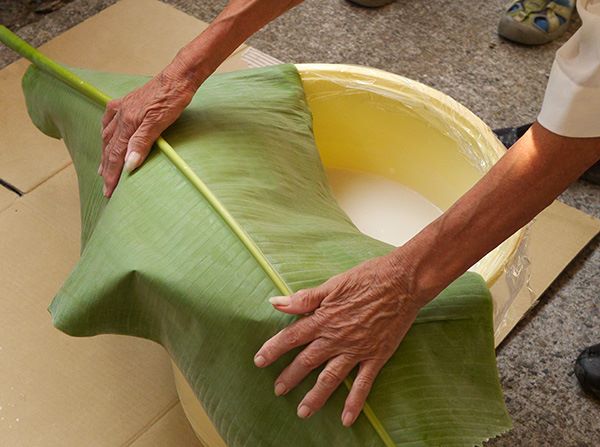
452	46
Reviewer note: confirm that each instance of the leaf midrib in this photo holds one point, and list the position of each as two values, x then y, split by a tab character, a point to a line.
73	81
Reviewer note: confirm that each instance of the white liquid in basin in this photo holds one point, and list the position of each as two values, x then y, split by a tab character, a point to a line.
381	208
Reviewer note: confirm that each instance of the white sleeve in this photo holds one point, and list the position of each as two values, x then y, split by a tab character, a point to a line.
571	105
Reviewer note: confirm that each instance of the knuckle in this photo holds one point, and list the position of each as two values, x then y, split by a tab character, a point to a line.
127	127
308	295
308	360
155	116
329	377
122	140
363	383
135	142
291	336
319	318
301	296
127	115
114	156
140	139
125	118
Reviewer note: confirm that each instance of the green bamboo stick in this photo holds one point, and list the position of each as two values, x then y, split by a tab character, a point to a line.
61	73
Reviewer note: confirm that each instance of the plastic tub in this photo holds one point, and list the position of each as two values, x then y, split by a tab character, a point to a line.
381	137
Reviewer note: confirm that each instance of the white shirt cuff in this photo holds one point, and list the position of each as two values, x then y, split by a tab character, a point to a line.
569	109
572	102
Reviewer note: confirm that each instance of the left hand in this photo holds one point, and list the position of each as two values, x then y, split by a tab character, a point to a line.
358	318
132	123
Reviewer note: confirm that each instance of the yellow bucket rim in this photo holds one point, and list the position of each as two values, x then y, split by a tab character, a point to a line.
391	84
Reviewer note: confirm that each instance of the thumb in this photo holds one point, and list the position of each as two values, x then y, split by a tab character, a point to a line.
140	144
301	302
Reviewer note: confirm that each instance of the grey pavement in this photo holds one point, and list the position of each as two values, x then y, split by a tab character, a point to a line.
452	46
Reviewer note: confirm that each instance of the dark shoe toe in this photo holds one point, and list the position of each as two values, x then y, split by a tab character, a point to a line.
587	370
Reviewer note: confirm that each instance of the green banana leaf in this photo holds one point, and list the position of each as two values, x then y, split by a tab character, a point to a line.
159	262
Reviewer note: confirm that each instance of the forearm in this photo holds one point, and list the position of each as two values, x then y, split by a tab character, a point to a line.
232	27
525	181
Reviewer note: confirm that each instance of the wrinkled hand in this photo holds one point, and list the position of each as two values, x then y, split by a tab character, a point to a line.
132	123
358	318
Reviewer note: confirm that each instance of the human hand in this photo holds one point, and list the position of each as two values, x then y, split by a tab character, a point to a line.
358	318
132	123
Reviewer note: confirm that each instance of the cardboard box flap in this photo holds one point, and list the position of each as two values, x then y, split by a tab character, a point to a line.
557	235
7	197
172	429
56	389
112	390
27	157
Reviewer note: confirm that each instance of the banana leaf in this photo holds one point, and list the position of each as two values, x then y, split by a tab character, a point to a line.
159	262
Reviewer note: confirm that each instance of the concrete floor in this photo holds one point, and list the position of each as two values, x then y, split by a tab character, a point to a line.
452	46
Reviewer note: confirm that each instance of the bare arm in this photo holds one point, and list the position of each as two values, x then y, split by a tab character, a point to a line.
525	181
233	26
361	316
131	124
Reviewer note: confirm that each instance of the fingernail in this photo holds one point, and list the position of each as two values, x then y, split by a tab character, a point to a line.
280	389
280	300
259	361
100	169
132	161
105	191
303	412
347	419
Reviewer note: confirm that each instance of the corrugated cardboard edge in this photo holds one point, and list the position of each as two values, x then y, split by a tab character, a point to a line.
27	157
7	197
557	235
167	425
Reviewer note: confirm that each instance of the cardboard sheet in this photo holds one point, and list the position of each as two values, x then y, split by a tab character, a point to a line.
557	235
172	429
58	390
147	42
7	197
111	390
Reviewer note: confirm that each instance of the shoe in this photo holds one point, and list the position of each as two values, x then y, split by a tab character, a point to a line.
372	3
592	175
536	22
509	135
587	370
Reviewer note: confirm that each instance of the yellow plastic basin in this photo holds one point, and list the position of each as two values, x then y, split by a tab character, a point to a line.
375	125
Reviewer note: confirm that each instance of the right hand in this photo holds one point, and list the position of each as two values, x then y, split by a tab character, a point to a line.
132	123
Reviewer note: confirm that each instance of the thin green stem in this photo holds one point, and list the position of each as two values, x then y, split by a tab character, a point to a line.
254	250
46	64
59	72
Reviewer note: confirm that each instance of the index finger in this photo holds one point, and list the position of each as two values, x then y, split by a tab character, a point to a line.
296	334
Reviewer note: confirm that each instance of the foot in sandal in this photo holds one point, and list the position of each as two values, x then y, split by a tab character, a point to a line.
535	22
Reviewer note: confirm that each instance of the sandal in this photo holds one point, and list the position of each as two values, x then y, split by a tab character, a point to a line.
535	22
